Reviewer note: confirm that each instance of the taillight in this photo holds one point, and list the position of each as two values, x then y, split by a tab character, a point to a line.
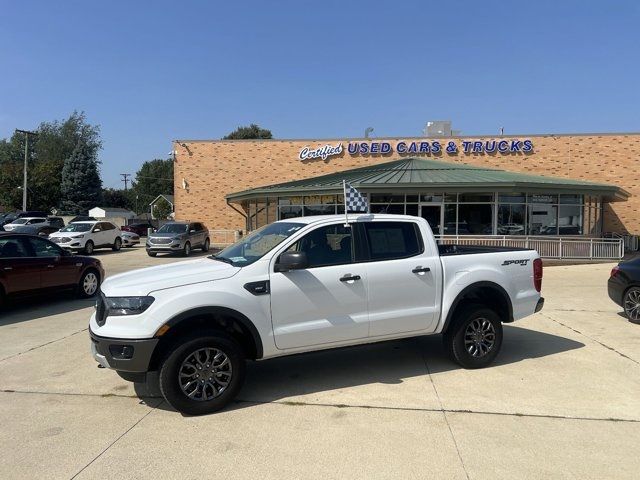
537	274
615	270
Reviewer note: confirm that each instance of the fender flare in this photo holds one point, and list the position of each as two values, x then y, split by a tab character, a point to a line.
239	317
470	288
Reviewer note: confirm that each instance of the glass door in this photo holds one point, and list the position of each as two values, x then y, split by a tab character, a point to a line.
433	215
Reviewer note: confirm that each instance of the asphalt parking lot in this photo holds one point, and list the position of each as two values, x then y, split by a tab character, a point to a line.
563	401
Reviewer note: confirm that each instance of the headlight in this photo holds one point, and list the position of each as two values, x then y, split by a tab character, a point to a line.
118	306
78	236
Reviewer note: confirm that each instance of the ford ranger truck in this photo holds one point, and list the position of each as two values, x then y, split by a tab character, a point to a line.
306	284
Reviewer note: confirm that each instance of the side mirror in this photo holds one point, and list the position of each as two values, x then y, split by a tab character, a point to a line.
96	230
291	261
192	231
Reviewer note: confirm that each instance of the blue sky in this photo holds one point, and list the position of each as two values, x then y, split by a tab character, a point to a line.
150	72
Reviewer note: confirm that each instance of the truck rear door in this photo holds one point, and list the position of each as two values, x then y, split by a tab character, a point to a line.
402	278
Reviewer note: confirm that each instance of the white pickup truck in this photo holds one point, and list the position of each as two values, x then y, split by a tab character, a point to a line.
307	284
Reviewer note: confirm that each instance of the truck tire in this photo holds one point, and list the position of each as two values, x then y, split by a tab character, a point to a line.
475	336
202	375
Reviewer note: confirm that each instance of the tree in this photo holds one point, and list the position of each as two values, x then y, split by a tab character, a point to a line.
81	185
161	209
48	151
250	132
115	198
154	178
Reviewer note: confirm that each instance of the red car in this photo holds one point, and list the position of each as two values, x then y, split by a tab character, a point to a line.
137	228
30	264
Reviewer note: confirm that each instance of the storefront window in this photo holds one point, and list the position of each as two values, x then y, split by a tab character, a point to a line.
512	219
543	219
475	219
310	210
396	209
512	198
475	197
384	198
289	212
431	198
412	209
570	220
450	221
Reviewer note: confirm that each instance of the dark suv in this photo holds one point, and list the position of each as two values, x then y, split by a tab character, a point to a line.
178	237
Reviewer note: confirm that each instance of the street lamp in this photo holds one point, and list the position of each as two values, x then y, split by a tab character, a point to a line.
26	156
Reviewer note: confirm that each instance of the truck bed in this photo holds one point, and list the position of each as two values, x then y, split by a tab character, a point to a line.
449	250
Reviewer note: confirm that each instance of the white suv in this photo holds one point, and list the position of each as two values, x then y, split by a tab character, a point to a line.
19	222
87	236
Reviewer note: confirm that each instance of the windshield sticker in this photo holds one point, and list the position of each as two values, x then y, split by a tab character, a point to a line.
238	259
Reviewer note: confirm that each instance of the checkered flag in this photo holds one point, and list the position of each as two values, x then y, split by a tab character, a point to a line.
354	201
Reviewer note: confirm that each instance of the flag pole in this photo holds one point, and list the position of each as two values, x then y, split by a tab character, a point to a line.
344	197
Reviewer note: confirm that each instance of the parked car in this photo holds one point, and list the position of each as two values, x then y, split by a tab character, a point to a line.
178	237
305	284
41	229
624	288
137	228
129	239
87	236
55	221
23	221
81	218
31	264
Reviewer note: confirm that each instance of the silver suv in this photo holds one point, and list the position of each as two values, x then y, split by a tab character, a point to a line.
178	237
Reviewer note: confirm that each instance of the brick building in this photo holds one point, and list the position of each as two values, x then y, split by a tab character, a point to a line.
577	184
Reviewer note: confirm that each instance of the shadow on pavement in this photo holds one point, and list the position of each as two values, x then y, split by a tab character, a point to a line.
387	362
37	306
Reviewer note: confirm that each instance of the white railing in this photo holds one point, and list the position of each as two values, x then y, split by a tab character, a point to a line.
223	238
547	247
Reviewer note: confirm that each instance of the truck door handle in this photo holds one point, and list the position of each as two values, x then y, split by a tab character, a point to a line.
421	270
348	278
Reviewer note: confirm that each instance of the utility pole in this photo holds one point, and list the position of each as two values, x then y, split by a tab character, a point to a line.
125	179
26	157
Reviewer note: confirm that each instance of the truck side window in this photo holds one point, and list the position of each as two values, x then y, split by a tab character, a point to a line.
392	240
325	246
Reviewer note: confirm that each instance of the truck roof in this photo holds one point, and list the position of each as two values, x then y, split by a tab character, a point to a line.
353	217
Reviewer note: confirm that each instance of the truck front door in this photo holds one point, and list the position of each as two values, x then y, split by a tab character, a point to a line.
326	302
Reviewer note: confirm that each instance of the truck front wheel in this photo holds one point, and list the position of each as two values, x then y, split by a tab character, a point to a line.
475	337
202	375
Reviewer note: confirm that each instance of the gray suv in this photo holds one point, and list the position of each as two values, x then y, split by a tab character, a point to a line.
178	237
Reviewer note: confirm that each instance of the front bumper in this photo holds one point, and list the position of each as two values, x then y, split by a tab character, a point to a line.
123	354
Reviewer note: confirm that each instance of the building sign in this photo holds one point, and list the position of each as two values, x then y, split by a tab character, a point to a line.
436	147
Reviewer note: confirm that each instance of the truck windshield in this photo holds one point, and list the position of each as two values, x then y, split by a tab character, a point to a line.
257	244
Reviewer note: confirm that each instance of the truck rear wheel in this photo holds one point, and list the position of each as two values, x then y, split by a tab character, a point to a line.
475	337
203	375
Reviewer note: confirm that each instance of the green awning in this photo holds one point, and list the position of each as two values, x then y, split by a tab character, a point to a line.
419	175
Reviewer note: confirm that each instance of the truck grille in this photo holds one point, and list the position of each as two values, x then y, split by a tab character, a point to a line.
160	241
101	310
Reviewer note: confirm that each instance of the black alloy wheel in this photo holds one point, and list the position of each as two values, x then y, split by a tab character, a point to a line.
202	375
475	336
